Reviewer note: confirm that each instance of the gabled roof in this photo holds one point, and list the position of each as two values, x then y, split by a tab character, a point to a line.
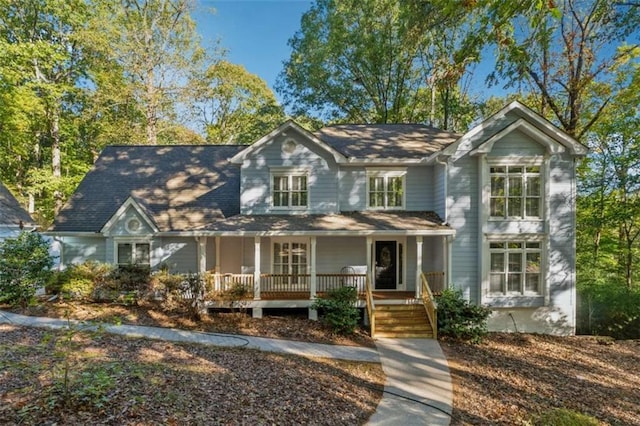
179	187
528	120
11	213
282	129
386	141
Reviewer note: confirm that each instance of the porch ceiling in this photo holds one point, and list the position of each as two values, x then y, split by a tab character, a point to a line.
414	222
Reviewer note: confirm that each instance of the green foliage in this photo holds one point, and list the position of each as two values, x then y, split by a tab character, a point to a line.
133	277
375	61
337	309
234	295
80	281
564	417
25	266
460	320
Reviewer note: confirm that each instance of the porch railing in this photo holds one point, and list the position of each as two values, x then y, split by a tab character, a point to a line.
371	307
436	281
429	304
326	282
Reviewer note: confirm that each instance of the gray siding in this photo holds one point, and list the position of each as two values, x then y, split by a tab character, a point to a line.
179	254
120	227
518	144
438	186
463	217
335	253
419	181
255	184
81	249
353	183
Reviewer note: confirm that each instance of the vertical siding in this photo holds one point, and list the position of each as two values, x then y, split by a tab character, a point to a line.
255	177
81	249
463	217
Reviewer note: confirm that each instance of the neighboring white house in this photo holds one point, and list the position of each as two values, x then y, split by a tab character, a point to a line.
491	212
13	218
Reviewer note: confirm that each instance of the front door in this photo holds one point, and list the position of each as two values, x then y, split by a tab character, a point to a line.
385	264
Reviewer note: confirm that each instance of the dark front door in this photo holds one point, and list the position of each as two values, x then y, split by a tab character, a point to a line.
386	267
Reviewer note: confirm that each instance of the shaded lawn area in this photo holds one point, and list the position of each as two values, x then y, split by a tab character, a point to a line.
115	380
511	378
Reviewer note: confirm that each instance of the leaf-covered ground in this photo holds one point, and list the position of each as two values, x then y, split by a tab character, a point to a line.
291	327
119	381
511	378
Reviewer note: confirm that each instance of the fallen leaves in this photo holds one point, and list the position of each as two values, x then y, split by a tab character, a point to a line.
511	378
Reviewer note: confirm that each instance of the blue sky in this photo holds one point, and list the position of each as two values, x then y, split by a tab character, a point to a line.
255	32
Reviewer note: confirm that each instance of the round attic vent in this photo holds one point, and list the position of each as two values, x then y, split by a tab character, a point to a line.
289	145
133	225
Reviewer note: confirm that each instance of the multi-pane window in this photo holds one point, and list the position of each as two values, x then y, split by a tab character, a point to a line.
386	191
133	253
515	191
290	258
290	190
515	268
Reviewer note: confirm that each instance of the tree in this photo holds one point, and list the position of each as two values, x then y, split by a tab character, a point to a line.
155	43
43	65
364	61
233	105
25	265
565	52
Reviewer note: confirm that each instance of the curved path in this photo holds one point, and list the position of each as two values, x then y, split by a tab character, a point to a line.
418	385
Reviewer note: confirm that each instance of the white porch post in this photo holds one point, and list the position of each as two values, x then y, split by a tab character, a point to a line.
256	269
218	270
313	314
449	267
418	266
369	262
202	254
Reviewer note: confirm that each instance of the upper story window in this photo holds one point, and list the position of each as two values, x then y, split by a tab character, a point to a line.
515	191
515	268
289	190
386	189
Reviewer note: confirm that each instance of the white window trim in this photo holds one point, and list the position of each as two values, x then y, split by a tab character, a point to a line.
487	296
117	241
282	240
539	161
288	172
386	173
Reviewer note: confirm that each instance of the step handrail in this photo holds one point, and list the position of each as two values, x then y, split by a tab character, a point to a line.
430	305
371	307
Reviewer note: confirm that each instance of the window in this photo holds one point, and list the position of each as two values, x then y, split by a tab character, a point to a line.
515	268
290	258
133	253
290	190
386	190
515	192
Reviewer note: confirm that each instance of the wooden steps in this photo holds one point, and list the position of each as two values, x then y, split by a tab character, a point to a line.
402	321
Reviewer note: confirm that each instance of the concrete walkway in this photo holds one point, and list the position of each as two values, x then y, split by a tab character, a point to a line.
417	389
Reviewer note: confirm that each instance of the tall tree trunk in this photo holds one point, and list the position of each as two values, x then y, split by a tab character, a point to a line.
56	161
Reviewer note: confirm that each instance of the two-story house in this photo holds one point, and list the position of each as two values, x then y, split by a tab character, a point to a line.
387	206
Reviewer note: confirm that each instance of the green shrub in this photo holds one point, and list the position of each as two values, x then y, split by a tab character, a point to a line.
458	319
80	281
130	278
338	309
564	417
25	266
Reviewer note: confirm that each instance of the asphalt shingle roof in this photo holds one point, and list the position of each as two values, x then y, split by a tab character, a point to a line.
182	187
11	213
345	221
386	141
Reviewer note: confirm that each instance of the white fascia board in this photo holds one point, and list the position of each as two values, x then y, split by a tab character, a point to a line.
130	202
575	147
289	124
439	232
553	146
72	234
353	161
